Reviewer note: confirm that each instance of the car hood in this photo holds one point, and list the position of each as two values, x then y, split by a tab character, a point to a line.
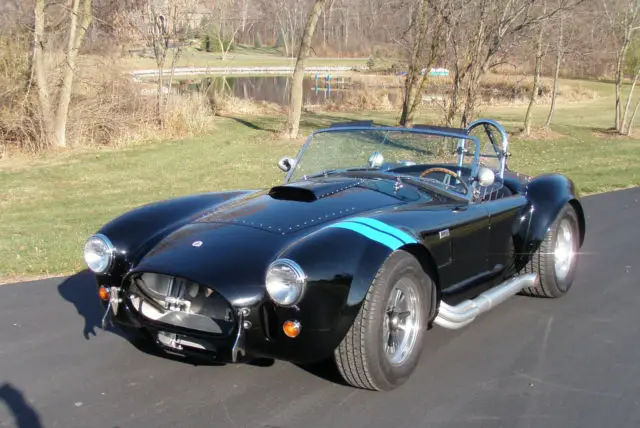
290	208
230	247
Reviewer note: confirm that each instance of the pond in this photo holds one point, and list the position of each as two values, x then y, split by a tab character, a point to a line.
319	89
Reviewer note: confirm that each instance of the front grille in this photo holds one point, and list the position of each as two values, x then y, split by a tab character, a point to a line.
181	303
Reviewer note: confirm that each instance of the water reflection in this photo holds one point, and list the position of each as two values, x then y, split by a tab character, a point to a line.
317	89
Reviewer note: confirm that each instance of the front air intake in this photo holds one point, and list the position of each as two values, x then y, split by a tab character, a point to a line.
181	303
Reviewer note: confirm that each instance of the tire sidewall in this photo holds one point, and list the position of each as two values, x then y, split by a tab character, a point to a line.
397	266
564	285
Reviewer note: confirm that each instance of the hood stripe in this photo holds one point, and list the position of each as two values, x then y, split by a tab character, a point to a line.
383	227
371	233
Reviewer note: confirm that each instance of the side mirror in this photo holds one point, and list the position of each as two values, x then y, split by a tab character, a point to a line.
286	164
486	177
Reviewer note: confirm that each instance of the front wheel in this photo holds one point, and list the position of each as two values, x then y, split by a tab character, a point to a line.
383	346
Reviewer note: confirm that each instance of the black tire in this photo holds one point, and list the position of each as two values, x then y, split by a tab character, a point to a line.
542	261
360	357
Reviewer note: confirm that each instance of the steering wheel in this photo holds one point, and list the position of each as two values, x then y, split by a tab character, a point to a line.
446	171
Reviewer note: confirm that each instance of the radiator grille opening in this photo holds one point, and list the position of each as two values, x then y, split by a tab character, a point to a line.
180	302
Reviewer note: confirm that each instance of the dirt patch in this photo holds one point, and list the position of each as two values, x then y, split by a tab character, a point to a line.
543	134
611	133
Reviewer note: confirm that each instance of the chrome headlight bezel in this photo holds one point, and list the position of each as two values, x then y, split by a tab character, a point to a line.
107	248
285	282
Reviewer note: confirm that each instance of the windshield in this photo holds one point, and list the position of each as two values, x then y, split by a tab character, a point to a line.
403	152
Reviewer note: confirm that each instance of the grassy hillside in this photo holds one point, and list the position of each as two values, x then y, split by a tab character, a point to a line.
51	204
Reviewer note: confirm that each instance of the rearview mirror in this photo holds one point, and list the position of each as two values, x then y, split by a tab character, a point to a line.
486	177
286	164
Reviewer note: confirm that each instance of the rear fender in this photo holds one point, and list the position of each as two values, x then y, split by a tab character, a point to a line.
547	195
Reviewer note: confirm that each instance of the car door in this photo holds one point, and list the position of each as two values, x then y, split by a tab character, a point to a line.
503	211
504	219
466	239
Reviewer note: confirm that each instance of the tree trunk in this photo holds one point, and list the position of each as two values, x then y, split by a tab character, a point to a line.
633	116
76	35
626	109
414	83
295	107
470	102
536	82
245	13
41	73
619	75
556	73
455	94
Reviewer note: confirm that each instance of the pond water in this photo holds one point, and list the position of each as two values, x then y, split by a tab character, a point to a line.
273	89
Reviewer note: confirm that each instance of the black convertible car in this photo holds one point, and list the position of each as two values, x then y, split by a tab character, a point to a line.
377	234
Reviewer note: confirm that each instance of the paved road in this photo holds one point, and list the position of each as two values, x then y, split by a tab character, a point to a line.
572	362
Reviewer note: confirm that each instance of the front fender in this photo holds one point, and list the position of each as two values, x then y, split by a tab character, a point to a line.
547	195
340	265
137	231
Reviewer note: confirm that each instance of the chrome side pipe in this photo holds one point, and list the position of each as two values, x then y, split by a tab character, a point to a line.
464	313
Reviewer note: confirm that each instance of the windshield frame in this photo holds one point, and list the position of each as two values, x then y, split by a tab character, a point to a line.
461	136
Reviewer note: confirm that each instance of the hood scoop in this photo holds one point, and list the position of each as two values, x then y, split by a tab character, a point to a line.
309	191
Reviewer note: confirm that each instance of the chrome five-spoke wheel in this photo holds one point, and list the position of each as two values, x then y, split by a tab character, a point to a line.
556	260
384	343
401	322
564	249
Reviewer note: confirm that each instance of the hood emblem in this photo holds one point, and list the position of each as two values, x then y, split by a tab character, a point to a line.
197	244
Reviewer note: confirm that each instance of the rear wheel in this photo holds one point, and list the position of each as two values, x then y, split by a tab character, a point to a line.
556	260
383	346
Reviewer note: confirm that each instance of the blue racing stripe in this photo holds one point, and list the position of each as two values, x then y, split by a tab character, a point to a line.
403	236
374	235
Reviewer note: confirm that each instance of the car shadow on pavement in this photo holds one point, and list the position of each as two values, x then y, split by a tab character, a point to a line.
24	415
80	290
326	370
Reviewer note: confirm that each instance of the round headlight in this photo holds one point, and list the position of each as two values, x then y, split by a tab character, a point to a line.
285	282
98	253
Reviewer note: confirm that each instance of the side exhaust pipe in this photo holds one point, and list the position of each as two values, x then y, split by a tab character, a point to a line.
464	313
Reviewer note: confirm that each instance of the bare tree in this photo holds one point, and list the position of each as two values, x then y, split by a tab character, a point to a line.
556	70
295	108
486	31
423	55
623	17
632	66
161	25
228	19
55	113
536	76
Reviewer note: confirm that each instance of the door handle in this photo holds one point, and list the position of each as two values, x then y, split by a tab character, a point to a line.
460	208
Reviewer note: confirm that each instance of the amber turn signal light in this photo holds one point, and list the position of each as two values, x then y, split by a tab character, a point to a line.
291	328
103	293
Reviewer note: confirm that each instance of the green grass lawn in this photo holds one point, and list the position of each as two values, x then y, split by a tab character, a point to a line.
50	205
242	57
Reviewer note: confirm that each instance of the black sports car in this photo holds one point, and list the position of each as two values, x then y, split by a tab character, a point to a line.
376	234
